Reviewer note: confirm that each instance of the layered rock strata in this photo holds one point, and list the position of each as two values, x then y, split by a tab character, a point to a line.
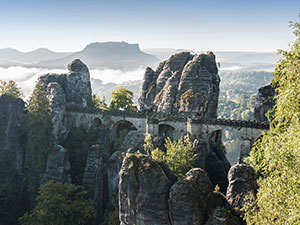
185	84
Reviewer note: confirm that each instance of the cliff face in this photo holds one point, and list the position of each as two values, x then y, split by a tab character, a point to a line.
185	84
72	89
12	148
264	102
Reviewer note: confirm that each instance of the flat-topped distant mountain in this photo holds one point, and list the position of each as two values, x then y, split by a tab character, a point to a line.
107	55
10	56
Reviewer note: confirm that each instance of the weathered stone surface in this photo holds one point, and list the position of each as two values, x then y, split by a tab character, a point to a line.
134	139
57	101
184	83
58	166
189	201
143	192
147	90
95	179
12	136
264	102
211	157
72	89
221	216
78	86
113	168
242	182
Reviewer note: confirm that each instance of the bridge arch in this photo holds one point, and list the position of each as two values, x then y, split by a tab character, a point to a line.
83	122
166	130
121	127
96	122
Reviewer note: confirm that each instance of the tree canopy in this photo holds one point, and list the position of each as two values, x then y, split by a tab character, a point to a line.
61	204
122	99
40	137
10	88
276	157
180	156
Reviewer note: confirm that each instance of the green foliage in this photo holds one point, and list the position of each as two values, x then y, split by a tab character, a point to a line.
276	157
40	137
61	204
98	103
122	99
180	156
10	88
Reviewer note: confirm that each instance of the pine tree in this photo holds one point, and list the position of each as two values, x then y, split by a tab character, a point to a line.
40	137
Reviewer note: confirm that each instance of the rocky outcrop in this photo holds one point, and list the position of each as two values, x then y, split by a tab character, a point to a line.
134	139
221	216
190	198
114	165
12	136
57	102
216	163
72	89
264	102
242	182
95	179
58	166
211	157
143	192
185	84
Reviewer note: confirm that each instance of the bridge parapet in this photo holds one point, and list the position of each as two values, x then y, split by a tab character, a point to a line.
237	123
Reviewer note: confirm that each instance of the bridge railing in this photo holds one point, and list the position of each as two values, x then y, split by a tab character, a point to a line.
174	118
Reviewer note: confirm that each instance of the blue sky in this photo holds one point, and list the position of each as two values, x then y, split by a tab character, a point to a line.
198	25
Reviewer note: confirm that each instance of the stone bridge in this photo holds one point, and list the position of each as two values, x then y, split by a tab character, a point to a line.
247	132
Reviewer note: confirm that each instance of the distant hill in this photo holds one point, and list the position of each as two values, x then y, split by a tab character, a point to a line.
10	56
243	60
107	55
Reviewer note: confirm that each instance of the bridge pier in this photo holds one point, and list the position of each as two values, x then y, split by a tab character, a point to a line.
152	126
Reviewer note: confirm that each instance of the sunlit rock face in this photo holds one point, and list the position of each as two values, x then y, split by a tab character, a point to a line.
185	83
264	102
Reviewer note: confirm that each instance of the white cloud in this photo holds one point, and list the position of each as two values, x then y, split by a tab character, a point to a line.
27	77
117	76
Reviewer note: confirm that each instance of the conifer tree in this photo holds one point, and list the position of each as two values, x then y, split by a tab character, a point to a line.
10	88
40	137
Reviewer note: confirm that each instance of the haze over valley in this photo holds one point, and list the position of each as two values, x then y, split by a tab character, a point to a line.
113	63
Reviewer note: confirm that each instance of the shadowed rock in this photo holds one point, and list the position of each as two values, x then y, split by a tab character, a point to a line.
190	198
143	192
242	182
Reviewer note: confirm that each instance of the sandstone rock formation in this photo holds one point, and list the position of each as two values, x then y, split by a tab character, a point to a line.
58	166
57	101
264	102
216	163
211	157
143	192
190	198
12	132
185	84
221	216
72	89
95	179
242	182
